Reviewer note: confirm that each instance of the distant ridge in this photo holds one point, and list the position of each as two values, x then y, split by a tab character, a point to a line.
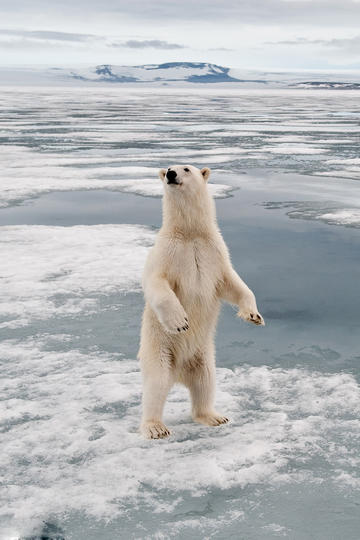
192	72
178	74
328	84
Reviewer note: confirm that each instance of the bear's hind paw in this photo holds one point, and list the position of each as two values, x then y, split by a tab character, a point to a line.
211	419
154	430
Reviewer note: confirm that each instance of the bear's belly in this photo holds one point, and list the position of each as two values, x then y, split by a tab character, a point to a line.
194	290
195	275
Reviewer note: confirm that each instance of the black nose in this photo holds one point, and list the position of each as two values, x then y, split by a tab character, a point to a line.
171	177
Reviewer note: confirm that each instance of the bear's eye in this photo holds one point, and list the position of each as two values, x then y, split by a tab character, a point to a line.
186	169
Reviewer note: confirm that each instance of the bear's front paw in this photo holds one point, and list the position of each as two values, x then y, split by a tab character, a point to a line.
154	430
248	310
175	322
252	316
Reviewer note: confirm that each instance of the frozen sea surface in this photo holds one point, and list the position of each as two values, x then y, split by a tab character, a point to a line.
80	207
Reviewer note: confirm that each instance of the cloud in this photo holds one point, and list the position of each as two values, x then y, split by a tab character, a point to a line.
46	35
147	44
348	45
221	49
36	38
40	39
257	12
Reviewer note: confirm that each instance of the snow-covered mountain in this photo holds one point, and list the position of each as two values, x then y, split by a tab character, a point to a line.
192	72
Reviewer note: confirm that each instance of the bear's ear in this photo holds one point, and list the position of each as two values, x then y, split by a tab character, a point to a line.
206	173
162	173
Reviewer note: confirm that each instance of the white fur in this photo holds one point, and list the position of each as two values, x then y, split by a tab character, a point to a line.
187	273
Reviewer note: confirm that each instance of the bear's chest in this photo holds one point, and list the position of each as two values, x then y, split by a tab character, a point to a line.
196	267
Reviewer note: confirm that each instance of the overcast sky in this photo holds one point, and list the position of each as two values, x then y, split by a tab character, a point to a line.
259	34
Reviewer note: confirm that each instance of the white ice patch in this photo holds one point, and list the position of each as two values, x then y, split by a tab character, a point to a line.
288	139
342	217
47	271
293	149
235	134
335	141
219	191
154	188
70	440
348	161
210	151
282	127
349	172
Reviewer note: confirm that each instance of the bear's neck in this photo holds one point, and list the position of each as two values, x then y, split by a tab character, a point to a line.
189	218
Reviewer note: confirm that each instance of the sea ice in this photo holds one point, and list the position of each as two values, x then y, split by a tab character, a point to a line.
71	405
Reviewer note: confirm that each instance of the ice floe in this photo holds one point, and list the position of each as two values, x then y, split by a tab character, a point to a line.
349	172
332	214
47	271
344	161
342	217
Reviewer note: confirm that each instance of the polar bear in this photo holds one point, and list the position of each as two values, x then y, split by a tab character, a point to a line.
187	274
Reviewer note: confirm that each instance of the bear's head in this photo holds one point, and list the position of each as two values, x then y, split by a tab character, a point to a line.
185	179
187	204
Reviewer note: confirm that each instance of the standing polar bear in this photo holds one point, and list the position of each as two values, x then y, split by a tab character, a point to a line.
187	273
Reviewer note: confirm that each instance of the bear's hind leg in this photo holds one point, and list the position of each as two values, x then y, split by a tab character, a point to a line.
199	377
157	382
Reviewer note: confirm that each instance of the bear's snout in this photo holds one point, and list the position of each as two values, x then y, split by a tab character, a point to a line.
171	177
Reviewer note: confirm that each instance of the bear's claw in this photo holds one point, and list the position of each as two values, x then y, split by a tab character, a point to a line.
256	318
